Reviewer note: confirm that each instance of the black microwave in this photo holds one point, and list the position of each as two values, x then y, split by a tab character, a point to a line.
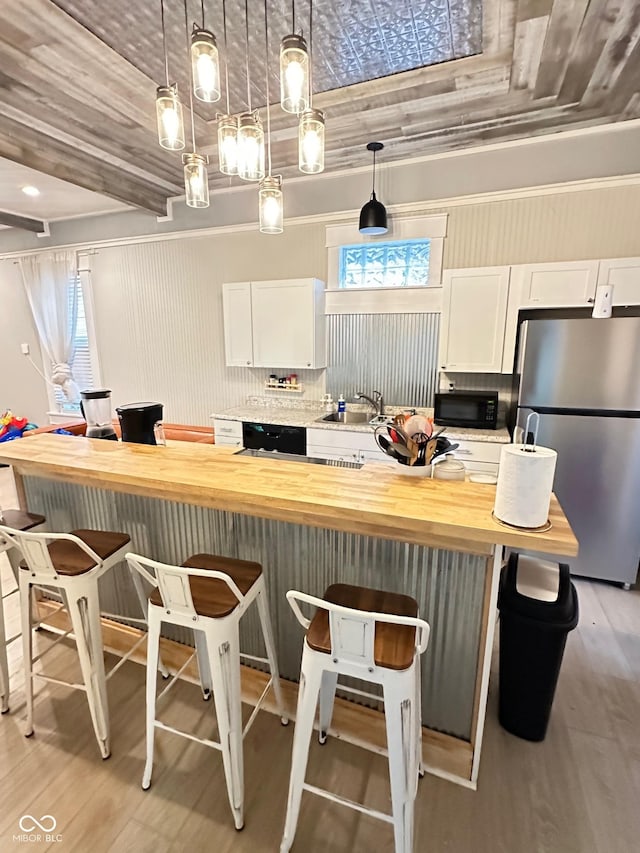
473	409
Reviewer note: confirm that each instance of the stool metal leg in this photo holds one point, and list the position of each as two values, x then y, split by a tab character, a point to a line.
399	701
224	658
418	719
4	664
85	620
153	651
27	648
310	680
204	668
267	633
327	698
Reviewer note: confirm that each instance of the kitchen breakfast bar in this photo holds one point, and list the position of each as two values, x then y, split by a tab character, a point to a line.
309	526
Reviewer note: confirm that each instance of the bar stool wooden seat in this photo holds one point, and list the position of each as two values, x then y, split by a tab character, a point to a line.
70	564
209	594
378	637
17	520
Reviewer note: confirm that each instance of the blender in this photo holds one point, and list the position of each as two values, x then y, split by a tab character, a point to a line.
95	406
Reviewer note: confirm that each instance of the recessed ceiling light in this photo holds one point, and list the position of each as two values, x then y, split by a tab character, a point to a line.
29	190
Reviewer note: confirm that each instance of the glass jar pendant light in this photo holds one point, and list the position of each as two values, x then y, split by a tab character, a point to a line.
271	205
168	107
169	115
250	147
205	65
196	182
228	144
227	123
294	74
311	141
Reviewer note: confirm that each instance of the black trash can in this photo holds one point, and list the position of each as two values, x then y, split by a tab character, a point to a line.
533	634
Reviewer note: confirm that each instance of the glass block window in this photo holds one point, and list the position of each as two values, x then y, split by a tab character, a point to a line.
403	263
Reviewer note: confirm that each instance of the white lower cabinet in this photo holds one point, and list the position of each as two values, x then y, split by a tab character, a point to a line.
227	433
344	446
480	456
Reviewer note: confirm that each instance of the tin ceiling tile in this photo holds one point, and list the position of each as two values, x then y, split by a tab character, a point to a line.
354	42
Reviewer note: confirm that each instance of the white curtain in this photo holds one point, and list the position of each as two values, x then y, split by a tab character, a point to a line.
46	280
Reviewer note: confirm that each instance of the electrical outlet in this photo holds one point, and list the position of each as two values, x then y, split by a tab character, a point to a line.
25	349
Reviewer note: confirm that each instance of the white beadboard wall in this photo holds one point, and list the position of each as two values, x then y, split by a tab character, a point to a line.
158	310
21	388
600	223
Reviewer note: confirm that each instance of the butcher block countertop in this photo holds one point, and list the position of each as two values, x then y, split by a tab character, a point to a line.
375	500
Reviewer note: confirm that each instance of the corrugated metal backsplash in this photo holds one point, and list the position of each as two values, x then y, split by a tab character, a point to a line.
395	353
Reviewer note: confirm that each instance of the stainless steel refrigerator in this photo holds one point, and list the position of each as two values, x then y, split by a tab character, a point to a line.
583	378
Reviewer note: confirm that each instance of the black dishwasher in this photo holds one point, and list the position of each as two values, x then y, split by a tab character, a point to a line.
284	439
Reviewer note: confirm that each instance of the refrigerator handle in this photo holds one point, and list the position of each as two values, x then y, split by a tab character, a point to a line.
522	346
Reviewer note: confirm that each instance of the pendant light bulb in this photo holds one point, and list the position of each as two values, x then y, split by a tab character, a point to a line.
196	181
205	65
271	205
373	216
169	116
250	147
311	142
294	74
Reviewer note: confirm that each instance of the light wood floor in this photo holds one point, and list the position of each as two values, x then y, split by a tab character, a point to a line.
577	792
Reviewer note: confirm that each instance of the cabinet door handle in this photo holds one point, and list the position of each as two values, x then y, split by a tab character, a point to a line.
463	452
248	362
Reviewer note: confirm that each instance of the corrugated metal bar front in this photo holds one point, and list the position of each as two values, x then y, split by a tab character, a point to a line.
448	586
395	353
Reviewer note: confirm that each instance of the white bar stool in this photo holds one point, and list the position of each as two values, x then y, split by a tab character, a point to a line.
375	636
18	520
209	594
70	564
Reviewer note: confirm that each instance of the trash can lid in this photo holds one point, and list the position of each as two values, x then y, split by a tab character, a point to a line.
543	592
538	579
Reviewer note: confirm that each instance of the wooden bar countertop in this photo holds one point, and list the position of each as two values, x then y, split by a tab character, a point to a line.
376	500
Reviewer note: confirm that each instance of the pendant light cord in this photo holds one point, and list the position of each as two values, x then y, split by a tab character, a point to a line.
164	44
293	16
266	44
226	53
246	41
186	32
202	8
373	189
310	52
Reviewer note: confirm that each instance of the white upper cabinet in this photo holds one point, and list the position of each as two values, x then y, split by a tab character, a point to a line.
567	283
623	274
238	337
474	311
284	325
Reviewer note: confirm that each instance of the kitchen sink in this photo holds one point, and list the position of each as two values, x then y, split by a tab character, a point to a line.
345	418
355	418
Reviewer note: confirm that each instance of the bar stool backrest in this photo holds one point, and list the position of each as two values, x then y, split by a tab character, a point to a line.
173	583
33	547
352	631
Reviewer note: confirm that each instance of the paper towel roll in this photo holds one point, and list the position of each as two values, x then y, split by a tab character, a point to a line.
525	482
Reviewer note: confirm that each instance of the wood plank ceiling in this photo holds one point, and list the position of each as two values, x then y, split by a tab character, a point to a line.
77	80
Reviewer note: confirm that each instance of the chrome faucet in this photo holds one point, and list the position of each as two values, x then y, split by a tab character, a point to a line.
377	403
